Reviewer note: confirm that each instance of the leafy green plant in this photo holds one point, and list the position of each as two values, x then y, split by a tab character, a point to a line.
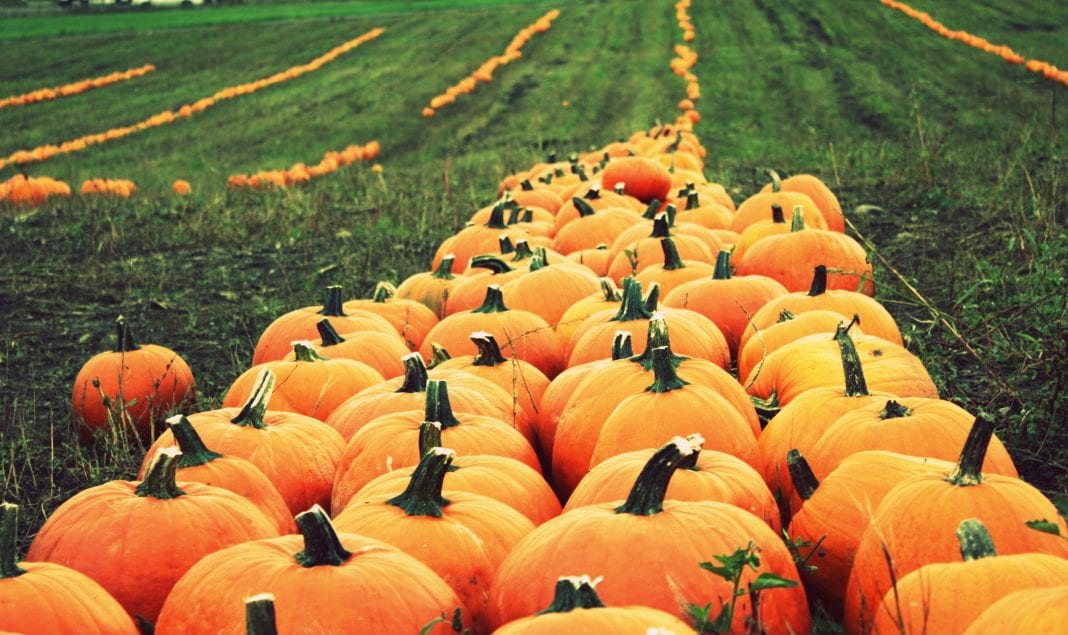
732	568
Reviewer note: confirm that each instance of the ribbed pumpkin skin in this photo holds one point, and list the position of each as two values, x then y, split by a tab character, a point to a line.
501	478
430	290
840	509
718	476
643	178
917	519
378	589
790	257
692	335
660	564
243	478
549	291
765	341
50	599
598	259
821	195
621	620
137	547
947	597
276	340
1030	612
412	319
380	351
758	207
297	453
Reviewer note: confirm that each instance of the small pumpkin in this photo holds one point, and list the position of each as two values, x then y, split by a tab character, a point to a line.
433	288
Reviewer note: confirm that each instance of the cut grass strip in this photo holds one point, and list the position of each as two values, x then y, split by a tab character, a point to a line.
45	152
74	88
1047	70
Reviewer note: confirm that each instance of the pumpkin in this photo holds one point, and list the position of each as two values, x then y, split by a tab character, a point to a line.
914	521
323	582
592	203
674	271
133	386
946	597
644	179
462	537
634	253
660	539
593	227
51	599
310	385
478	239
547	290
815	189
112	532
380	351
576	608
297	453
277	339
431	289
761	229
412	319
713	215
1028	612
758	207
608	298
703	475
597	259
789	328
487	270
529	196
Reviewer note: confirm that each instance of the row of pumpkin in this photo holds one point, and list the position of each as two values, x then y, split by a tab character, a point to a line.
534	398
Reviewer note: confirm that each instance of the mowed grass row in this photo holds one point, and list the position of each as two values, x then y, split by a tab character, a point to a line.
962	151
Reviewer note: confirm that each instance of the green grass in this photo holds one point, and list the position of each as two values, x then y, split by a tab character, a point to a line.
964	153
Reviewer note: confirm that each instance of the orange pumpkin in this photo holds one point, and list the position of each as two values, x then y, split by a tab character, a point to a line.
644	179
674	271
816	190
1029	612
380	351
432	289
547	290
412	319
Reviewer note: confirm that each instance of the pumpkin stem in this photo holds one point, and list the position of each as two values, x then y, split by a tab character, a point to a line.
633	305
305	352
504	244
975	540
660	226
689	462
537	262
496	219
610	290
798	221
252	412
691	200
526	185
194	452
491	262
969	469
584	209
786	316
656	337
444	270
574	592
438	356
322	547
327	333
160	477
9	564
855	383
619	188
384	290
438	407
415	376
672	260
429	436
670	211
723	266
522	251
489	353
423	496
494	302
259	615
776	180
646	497
819	281
804	479
894	410
776	213
334	306
593	193
652	299
124	340
621	345
651	210
666	379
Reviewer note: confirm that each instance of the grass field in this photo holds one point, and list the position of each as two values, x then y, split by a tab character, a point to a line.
964	153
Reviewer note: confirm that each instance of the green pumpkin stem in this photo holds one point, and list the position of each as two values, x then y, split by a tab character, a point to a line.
124	340
672	260
975	540
610	290
438	356
798	221
632	306
573	592
9	565
194	452
855	383
969	470
651	210
661	227
592	194
489	353
819	281
334	305
327	333
491	262
429	436
504	244
723	266
652	299
618	188
255	408
515	215
646	497
894	410
444	270
776	180
304	351
786	316
160	476
804	479
584	209
689	462
496	218
494	302
423	496
670	211
691	200
383	291
526	185
522	251
438	407
777	215
657	336
415	376
621	345
665	377
259	615
322	547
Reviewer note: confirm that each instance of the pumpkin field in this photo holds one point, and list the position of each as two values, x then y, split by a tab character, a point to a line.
524	316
